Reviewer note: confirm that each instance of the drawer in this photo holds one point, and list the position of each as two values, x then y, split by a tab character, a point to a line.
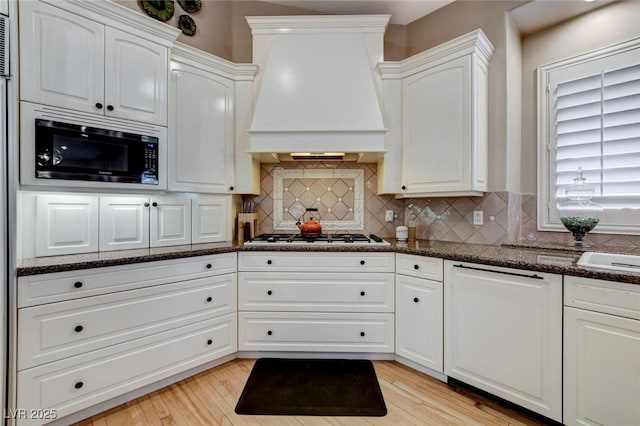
58	330
299	291
326	332
76	383
608	297
317	261
419	266
47	288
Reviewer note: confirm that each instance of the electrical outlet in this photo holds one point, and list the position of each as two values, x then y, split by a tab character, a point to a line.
478	217
388	215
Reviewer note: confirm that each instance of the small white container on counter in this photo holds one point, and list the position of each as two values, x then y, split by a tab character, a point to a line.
402	234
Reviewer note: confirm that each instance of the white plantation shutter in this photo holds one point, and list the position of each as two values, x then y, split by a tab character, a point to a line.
589	117
598	129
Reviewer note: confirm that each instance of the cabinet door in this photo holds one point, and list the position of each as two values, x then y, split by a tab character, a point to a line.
419	321
503	333
210	219
437	129
66	224
136	80
124	223
601	368
61	58
170	221
201	117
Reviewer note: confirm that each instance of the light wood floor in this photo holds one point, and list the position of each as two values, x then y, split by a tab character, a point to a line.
209	398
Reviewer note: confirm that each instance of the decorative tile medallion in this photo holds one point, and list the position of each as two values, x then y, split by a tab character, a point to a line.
338	194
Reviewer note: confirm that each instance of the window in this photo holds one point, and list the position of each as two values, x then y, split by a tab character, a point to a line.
589	117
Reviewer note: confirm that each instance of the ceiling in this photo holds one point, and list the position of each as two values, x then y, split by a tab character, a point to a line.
529	18
402	12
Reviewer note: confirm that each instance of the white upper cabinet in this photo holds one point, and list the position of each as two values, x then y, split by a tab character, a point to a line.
73	62
61	58
66	224
201	126
136	78
211	219
124	223
442	111
170	221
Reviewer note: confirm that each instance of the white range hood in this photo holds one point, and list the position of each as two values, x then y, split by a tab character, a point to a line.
317	90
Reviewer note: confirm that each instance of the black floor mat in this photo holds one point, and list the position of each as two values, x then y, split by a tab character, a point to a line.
312	387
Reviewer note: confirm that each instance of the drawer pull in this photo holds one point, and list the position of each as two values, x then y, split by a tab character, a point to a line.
362	333
269	333
362	293
209	266
416	300
269	262
535	276
416	267
269	292
209	342
362	262
78	385
78	328
77	284
209	299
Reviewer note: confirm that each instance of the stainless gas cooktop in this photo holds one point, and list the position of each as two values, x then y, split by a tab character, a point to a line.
323	239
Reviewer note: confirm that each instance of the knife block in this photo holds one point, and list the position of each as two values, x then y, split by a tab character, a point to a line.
250	220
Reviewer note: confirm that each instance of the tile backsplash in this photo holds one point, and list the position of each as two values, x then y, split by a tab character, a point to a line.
508	217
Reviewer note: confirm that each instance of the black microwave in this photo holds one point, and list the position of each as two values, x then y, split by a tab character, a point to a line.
75	152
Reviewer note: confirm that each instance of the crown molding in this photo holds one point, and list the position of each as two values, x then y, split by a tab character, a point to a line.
208	62
282	25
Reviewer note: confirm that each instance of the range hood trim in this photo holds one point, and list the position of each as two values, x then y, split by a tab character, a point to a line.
305	24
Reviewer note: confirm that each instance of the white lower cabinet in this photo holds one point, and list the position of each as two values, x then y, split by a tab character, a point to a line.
503	333
321	301
98	334
419	310
601	353
315	331
72	384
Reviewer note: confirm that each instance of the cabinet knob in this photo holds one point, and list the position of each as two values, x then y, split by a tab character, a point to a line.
362	262
404	187
231	188
110	107
269	292
416	267
209	299
98	105
146	204
78	385
77	284
269	262
154	204
78	328
362	333
362	293
416	300
209	266
269	333
209	342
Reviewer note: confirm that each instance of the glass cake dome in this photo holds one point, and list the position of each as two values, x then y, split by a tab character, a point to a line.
579	214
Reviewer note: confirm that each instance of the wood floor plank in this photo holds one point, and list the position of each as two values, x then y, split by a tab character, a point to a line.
209	398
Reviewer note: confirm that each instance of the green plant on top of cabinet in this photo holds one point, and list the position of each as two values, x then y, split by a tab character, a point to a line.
75	62
439	100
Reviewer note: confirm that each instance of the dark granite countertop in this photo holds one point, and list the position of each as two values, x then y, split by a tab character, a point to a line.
552	259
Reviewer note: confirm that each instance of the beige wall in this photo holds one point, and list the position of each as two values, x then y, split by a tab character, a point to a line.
212	21
459	18
608	25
